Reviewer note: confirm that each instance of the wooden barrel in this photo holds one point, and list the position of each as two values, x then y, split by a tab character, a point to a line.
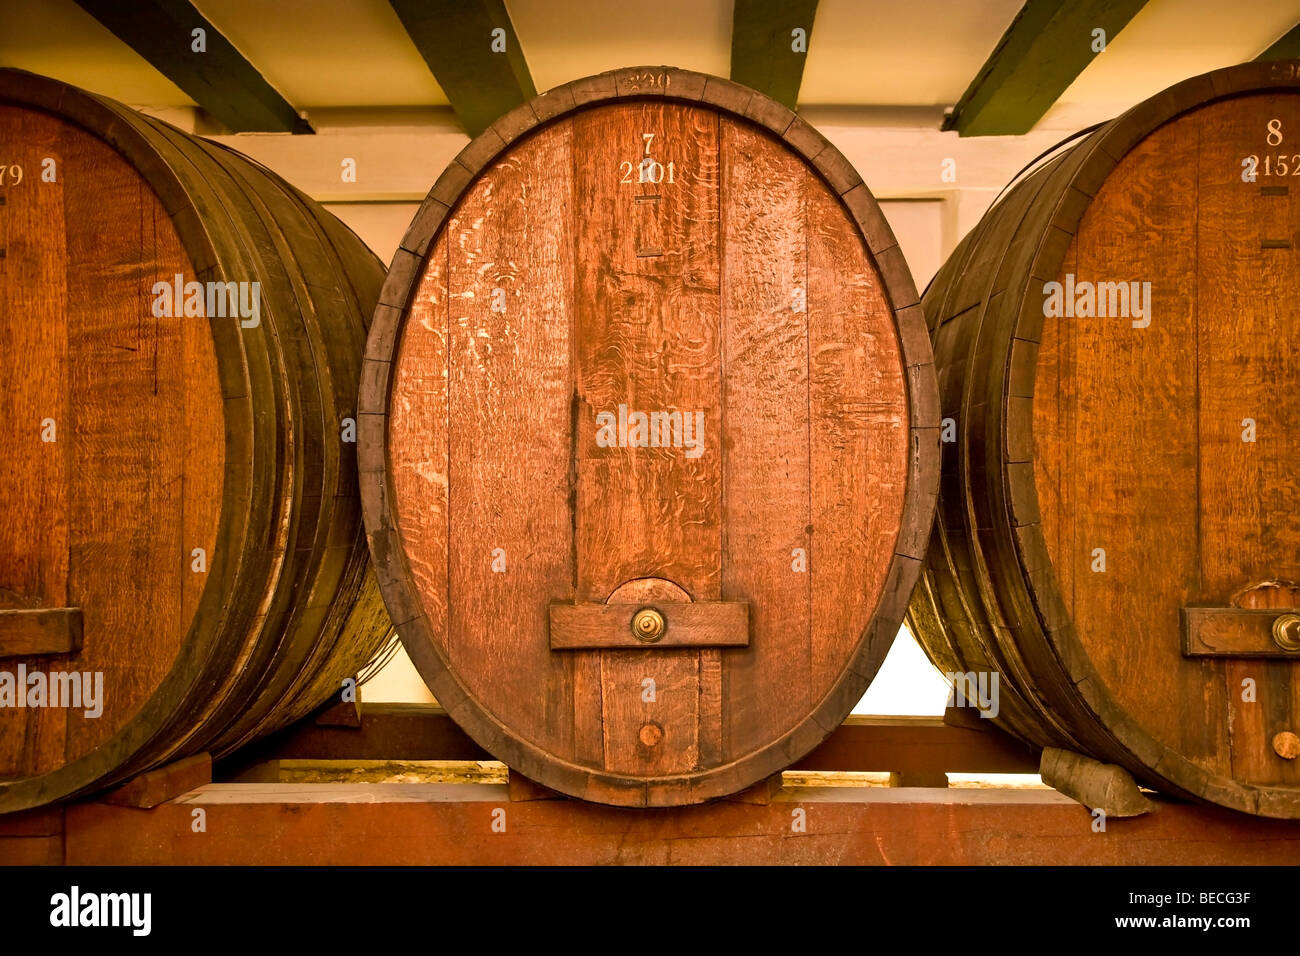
1119	520
649	438
182	558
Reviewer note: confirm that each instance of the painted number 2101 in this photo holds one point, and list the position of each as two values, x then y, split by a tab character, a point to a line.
648	170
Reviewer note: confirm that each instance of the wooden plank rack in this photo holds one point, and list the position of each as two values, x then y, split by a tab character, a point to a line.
247	816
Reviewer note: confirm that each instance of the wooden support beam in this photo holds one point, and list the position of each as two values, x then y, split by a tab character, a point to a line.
338	712
919	748
472	50
1049	43
767	52
761	793
219	78
166	783
32	837
916	747
918	779
387	732
1287	47
477	824
522	789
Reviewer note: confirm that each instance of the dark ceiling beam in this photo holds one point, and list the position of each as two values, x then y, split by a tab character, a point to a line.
1047	46
457	40
219	79
763	53
1286	48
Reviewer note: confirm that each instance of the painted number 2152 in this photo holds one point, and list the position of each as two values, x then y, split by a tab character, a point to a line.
648	170
1280	164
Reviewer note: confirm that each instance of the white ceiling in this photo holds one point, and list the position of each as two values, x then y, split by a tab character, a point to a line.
1168	41
863	53
565	40
328	52
59	39
892	53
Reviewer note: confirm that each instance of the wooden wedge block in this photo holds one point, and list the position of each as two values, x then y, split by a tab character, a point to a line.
1098	786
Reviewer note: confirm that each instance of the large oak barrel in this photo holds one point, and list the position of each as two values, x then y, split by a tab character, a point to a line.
182	558
1119	520
649	438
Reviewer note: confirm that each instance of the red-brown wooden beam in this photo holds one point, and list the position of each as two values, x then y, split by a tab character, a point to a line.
296	824
32	838
919	745
167	782
387	732
906	745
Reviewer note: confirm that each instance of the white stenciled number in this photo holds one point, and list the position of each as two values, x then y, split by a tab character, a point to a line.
649	170
1274	132
10	175
652	171
638	80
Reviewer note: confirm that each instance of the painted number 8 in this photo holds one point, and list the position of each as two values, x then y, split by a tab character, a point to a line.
1274	132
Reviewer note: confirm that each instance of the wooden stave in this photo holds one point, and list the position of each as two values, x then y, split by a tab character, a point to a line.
1094	722
391	566
165	726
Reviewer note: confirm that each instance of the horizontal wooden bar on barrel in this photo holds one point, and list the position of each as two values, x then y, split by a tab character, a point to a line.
670	624
1240	632
39	631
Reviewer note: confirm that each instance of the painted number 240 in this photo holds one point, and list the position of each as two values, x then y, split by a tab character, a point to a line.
647	170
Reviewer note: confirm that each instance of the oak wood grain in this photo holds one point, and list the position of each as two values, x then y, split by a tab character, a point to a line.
767	505
646	337
1080	434
656	246
196	503
34	368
